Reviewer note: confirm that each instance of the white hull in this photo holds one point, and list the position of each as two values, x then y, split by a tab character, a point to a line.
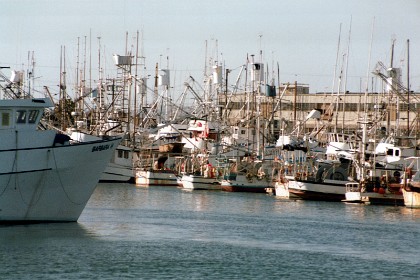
120	168
330	190
50	183
282	190
156	178
242	184
198	182
117	173
411	199
354	197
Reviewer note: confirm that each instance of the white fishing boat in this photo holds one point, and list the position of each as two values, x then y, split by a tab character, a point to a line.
45	176
326	190
281	189
152	177
199	174
120	168
158	166
411	191
200	182
248	176
411	198
243	183
310	178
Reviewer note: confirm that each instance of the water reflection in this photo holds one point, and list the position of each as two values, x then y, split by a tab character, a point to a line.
21	233
385	213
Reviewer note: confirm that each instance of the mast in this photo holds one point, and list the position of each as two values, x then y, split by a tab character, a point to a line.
336	61
294	104
62	95
408	87
346	73
127	84
364	136
100	80
135	89
77	86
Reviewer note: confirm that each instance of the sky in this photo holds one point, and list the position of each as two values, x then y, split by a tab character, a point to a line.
308	41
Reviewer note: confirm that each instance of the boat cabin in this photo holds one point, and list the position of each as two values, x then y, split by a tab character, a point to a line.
22	114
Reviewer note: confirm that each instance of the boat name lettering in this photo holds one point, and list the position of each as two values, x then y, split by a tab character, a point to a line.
101	148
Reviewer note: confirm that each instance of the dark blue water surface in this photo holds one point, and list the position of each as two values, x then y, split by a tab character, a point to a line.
167	233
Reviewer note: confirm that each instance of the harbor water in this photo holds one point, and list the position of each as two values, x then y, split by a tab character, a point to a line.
127	232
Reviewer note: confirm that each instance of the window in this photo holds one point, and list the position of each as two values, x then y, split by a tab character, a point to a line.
33	115
120	153
125	154
5	119
21	116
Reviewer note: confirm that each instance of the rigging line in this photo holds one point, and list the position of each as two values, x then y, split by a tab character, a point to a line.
61	182
32	201
10	177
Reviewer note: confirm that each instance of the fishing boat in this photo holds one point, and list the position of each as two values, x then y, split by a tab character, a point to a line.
199	174
243	183
411	197
411	191
156	178
281	189
200	182
327	190
158	160
120	168
157	175
247	175
310	178
45	176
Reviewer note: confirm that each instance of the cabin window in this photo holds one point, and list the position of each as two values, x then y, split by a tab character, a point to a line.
125	154
33	115
21	116
390	152
5	119
120	153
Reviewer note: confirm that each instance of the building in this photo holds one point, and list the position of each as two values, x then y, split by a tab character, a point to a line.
290	105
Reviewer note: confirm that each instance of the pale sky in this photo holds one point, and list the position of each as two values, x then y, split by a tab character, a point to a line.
300	35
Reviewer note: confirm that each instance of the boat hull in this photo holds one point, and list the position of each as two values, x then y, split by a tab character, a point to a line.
118	173
282	190
242	184
51	184
325	191
156	178
411	199
198	182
